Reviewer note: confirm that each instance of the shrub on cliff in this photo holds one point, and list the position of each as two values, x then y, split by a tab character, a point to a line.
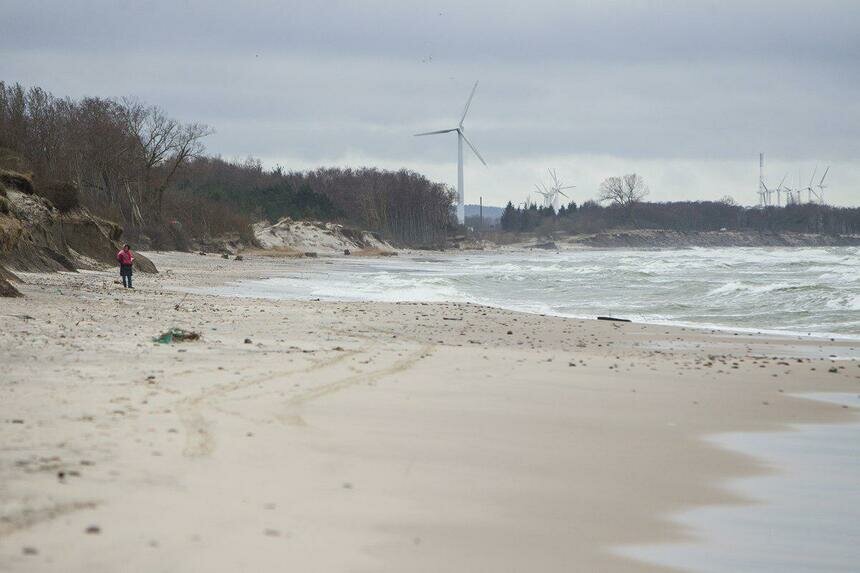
62	194
16	181
7	290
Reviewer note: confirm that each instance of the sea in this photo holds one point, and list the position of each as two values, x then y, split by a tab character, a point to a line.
802	291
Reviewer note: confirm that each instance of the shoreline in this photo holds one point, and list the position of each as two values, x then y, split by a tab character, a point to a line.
366	436
823	337
320	264
661	239
812	469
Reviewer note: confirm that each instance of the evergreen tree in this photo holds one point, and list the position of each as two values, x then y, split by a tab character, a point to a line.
510	220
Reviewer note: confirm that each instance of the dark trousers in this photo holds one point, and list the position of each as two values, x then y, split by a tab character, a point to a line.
125	273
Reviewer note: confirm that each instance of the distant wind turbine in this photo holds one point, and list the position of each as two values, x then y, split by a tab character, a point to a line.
768	192
461	137
551	192
821	186
810	189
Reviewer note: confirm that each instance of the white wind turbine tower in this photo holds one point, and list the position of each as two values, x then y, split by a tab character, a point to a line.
808	188
821	186
461	137
544	192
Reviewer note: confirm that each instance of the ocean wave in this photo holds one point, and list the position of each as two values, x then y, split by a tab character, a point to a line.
746	288
789	290
847	302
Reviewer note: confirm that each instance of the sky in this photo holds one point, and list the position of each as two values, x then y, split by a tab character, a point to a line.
687	94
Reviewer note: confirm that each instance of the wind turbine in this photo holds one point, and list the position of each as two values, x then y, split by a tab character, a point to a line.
551	192
821	186
557	187
768	192
544	192
461	137
792	196
810	189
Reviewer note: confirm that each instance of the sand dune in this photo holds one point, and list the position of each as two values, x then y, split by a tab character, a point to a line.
316	237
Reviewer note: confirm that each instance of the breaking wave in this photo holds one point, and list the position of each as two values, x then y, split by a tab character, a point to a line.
806	291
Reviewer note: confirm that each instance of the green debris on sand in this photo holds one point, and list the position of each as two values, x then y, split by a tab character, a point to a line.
176	335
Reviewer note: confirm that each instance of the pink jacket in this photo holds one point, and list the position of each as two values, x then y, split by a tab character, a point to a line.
125	257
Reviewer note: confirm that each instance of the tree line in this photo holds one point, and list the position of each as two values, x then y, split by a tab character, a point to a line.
132	163
403	206
620	205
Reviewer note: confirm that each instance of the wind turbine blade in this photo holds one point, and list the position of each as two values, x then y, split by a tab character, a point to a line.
468	103
820	183
565	194
783	181
812	179
435	132
472	147
567	187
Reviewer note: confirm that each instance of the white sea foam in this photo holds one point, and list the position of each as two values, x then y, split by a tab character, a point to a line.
806	291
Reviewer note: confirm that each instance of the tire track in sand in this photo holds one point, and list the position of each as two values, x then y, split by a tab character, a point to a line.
293	404
199	440
28	517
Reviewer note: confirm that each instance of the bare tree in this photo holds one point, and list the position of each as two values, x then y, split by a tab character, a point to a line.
624	191
165	145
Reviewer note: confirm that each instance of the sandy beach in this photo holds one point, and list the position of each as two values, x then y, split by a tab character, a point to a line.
330	436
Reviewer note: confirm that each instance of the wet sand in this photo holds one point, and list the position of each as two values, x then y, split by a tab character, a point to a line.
807	511
325	436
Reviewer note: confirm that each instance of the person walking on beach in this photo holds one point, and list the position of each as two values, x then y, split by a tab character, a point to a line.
126	259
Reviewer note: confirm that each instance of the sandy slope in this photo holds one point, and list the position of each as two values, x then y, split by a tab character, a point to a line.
362	437
316	237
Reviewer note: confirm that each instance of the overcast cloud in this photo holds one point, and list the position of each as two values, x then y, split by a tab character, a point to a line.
685	93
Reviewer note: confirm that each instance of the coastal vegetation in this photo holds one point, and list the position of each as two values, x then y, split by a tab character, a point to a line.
132	163
687	216
402	206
